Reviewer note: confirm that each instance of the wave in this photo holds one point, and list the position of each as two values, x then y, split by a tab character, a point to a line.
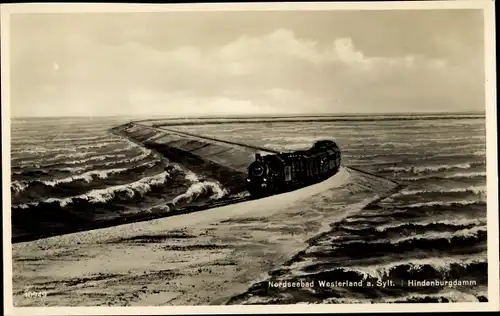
289	147
407	149
291	139
87	177
422	169
99	145
392	158
472	232
145	154
473	189
420	214
76	139
458	175
441	297
200	188
97	137
437	183
62	158
130	190
417	269
435	225
404	162
359	248
363	157
354	231
34	150
73	155
107	164
466	175
455	270
394	144
419	141
93	158
43	150
443	204
396	230
405	146
450	139
19	186
434	197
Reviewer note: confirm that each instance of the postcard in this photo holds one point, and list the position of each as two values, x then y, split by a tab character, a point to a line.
249	158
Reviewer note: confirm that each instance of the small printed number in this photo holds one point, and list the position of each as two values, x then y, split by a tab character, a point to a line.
35	294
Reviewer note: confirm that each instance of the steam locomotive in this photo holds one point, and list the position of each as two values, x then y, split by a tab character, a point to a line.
272	174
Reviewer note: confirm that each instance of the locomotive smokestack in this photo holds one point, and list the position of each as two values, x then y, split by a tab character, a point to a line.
258	157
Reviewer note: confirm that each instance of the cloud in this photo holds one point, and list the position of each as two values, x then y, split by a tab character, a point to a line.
275	72
188	104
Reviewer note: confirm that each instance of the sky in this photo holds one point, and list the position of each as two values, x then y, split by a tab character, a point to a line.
246	62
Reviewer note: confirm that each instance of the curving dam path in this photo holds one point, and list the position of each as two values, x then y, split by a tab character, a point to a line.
197	258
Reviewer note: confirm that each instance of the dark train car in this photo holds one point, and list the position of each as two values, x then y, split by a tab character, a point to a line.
287	171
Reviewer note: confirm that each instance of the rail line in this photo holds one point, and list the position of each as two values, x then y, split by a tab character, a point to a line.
373	175
210	139
268	150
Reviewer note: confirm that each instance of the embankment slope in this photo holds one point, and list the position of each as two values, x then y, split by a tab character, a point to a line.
221	160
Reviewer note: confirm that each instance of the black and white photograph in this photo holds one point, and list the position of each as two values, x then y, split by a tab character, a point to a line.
311	157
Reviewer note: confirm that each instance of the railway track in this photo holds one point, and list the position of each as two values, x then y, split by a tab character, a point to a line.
227	142
209	139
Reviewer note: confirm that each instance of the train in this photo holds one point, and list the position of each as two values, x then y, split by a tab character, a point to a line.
286	171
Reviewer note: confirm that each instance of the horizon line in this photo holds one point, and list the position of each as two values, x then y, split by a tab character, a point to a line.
254	115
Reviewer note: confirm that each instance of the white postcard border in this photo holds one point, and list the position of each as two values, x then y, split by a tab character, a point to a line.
492	180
